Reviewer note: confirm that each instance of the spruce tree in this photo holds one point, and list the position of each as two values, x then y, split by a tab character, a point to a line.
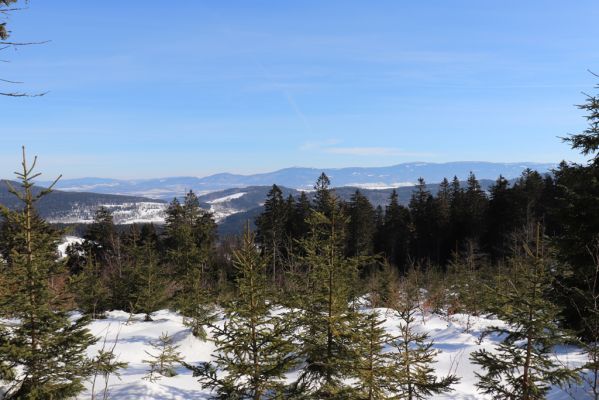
423	220
271	229
588	140
151	284
45	350
163	359
253	350
89	289
373	370
361	228
413	361
523	367
328	316
190	233
396	233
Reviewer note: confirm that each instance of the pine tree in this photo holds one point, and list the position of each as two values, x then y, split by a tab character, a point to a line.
374	371
197	306
588	141
423	220
413	361
522	367
190	233
89	289
327	317
323	198
165	357
465	270
396	233
361	227
151	284
476	204
106	364
271	229
252	348
45	350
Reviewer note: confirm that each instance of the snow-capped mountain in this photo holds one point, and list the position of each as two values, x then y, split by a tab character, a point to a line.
302	178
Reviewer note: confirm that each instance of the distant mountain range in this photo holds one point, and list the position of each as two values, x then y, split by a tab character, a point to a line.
302	178
244	195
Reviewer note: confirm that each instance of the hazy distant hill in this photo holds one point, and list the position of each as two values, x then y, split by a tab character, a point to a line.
76	207
302	178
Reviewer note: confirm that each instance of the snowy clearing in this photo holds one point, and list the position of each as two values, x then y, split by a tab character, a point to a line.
134	337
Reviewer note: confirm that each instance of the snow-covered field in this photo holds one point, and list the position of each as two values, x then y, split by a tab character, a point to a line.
134	337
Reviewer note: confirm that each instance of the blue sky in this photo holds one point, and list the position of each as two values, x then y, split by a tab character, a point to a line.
150	89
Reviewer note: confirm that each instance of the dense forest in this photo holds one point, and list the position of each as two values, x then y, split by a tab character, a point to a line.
301	292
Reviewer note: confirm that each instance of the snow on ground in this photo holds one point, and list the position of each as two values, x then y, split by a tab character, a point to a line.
221	209
67	241
227	198
380	185
125	213
134	337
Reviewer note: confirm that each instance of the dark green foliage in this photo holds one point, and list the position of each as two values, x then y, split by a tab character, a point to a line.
466	272
588	141
373	370
252	347
190	236
89	289
395	233
271	230
43	353
197	305
327	317
361	227
523	367
149	283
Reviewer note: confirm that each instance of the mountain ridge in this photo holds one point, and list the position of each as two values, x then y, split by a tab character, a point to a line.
302	178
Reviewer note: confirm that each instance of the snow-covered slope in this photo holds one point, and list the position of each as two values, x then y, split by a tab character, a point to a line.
135	335
123	213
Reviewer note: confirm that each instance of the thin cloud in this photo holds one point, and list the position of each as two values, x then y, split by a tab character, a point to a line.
332	146
374	151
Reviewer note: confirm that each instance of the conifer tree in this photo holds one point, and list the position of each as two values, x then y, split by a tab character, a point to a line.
89	289
588	140
299	226
190	233
396	233
164	358
423	220
361	227
151	284
44	353
197	306
327	318
413	361
323	198
271	229
522	367
253	350
373	370
588	312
